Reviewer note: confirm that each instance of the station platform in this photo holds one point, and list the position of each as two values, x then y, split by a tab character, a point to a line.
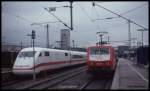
129	75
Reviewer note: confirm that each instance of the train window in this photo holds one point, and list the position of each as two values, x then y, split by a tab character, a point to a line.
77	56
104	51
46	53
40	55
26	54
95	51
66	54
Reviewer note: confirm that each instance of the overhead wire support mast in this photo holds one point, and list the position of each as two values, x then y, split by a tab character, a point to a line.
119	15
71	15
129	21
61	20
47	27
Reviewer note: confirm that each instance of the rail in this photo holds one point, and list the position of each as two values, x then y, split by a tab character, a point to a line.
55	79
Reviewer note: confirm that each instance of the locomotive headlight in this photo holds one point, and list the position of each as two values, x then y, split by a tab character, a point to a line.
91	63
97	63
107	62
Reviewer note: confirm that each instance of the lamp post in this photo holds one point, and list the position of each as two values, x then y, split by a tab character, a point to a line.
33	37
142	33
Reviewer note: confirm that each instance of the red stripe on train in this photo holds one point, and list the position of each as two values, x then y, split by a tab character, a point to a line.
46	64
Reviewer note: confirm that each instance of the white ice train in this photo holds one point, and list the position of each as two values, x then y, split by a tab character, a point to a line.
45	59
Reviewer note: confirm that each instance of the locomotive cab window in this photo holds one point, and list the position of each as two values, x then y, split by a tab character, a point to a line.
27	54
46	53
94	51
97	51
104	51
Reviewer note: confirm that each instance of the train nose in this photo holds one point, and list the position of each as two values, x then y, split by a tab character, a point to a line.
23	63
23	66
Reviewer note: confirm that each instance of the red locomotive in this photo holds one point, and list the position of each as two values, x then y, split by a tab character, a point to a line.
101	58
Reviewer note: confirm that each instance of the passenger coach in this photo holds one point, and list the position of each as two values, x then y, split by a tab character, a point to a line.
45	59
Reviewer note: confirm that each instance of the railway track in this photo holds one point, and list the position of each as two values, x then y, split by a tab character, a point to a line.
55	79
15	82
85	85
80	81
10	83
70	86
6	75
89	84
25	83
8	78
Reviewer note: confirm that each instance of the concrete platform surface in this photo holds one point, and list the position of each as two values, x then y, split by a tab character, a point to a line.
129	76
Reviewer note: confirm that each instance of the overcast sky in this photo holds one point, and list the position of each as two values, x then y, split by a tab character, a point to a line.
17	18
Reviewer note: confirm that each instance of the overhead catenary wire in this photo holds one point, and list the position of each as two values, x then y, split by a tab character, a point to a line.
133	9
130	10
20	17
57	18
44	23
117	25
85	12
40	23
98	17
124	12
88	16
29	21
121	16
98	22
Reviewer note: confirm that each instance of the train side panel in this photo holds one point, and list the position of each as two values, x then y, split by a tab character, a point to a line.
46	59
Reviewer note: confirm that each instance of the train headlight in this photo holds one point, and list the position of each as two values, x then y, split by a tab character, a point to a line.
91	63
107	62
98	63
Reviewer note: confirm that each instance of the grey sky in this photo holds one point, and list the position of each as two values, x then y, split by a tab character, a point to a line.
17	17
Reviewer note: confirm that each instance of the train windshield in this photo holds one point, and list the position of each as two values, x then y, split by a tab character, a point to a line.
27	54
97	51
